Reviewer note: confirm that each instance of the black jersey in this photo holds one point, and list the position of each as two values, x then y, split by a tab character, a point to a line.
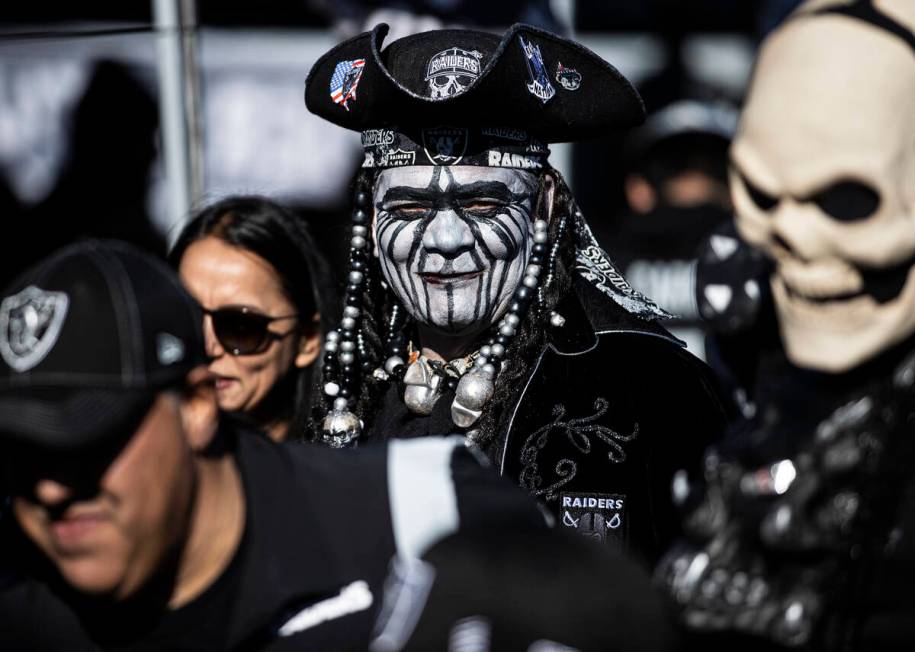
322	527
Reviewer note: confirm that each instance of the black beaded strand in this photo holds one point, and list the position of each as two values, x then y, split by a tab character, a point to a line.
344	345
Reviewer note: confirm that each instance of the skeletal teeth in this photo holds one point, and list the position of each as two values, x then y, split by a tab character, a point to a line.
820	279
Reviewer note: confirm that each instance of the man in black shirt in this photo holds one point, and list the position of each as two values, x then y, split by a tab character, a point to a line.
138	522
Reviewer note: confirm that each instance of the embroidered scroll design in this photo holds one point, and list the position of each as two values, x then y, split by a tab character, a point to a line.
579	432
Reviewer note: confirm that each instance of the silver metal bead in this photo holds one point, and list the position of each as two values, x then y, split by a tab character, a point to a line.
498	350
557	320
540	225
358	229
348	323
462	416
532	270
347	358
330	346
530	281
480	361
341	427
358	242
351	311
331	389
540	237
380	374
474	390
423	387
506	330
490	370
340	403
486	351
355	277
392	363
512	320
333	336
348	345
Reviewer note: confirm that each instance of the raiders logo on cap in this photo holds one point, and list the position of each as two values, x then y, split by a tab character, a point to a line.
30	324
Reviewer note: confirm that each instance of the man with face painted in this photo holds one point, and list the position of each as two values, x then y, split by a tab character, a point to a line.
802	533
478	301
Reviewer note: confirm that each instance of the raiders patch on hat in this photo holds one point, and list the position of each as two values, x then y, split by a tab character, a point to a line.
30	324
451	71
598	516
540	86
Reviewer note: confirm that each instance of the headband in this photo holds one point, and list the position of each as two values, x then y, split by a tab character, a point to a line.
501	147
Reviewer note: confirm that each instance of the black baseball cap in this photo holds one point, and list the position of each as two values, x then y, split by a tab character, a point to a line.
88	337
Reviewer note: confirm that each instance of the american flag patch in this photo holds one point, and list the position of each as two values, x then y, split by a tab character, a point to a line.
344	81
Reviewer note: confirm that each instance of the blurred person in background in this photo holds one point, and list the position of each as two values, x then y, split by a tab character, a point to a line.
676	190
263	286
102	188
802	526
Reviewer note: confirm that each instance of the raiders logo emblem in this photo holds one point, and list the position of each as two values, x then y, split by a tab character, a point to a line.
452	71
30	324
445	145
597	516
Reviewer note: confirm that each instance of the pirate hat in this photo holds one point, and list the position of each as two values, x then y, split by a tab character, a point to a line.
528	79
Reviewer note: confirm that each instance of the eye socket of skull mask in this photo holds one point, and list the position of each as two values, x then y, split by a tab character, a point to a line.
763	201
848	201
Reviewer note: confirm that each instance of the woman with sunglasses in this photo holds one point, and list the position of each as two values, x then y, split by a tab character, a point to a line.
258	275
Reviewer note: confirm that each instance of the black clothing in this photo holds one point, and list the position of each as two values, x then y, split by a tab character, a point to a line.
804	522
612	408
321	527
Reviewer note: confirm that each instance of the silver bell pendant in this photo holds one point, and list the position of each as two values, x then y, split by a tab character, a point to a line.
473	392
423	387
341	427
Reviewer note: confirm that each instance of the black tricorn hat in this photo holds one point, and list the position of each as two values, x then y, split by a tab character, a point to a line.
528	79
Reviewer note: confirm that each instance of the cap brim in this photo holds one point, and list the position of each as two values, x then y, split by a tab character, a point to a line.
69	419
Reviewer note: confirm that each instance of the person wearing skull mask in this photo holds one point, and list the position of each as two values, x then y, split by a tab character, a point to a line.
478	301
802	534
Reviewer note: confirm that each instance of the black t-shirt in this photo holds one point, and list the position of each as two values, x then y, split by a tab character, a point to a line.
321	528
198	625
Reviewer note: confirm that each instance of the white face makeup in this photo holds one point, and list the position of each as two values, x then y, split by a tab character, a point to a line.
453	241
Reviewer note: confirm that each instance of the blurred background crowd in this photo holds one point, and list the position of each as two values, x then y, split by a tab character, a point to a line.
85	131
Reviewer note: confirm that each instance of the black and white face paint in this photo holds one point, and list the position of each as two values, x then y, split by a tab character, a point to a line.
453	241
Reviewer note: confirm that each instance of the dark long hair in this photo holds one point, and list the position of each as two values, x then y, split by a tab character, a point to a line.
279	237
533	333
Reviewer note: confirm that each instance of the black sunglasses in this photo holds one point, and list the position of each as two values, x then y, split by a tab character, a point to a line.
242	331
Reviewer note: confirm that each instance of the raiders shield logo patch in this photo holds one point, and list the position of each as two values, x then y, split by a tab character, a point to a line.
597	516
30	324
445	145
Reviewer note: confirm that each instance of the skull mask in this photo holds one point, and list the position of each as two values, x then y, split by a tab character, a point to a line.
823	180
